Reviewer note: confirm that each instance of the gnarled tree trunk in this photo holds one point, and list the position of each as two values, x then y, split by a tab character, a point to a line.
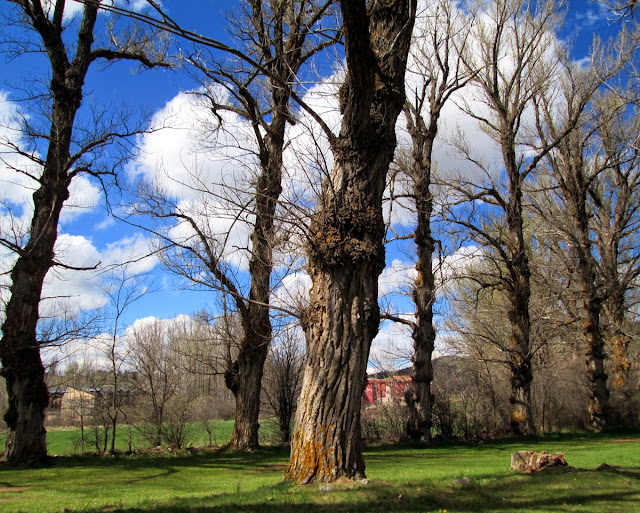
594	353
245	378
519	293
19	349
620	339
521	418
346	253
592	305
418	396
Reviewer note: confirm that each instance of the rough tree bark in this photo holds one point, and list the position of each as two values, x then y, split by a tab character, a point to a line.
20	352
279	38
19	347
418	396
439	75
284	47
620	339
346	251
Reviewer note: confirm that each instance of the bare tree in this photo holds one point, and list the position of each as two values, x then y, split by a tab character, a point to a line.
594	169
157	377
513	60
67	156
282	379
276	39
122	290
345	250
616	198
435	72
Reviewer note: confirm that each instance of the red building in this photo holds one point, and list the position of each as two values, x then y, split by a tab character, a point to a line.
384	388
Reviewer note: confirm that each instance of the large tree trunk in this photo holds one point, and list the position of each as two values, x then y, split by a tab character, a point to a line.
19	348
346	253
284	420
28	398
592	305
521	418
418	397
245	378
595	356
246	382
620	340
519	292
344	319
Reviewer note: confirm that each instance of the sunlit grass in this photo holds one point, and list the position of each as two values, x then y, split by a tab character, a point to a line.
402	478
66	441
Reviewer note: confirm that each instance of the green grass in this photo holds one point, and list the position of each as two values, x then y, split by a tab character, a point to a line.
65	441
403	478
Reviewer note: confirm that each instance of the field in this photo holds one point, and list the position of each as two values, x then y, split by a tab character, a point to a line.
452	478
67	441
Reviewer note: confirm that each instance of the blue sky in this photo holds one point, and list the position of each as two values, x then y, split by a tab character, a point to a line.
150	92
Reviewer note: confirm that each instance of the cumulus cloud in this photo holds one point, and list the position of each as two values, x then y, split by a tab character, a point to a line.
392	347
74	7
84	196
397	278
292	292
65	289
71	8
19	174
71	290
202	165
136	251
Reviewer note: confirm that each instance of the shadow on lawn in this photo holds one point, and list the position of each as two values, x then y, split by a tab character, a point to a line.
533	493
267	458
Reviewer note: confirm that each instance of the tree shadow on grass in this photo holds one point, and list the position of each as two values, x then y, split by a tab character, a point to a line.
223	458
541	493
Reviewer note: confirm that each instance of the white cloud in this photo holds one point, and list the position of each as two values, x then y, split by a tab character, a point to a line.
456	265
307	157
204	171
74	7
293	291
71	290
391	348
71	8
94	351
134	251
186	155
144	322
16	183
84	196
105	224
397	278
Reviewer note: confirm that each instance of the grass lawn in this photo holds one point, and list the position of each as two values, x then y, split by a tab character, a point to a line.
402	479
66	441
